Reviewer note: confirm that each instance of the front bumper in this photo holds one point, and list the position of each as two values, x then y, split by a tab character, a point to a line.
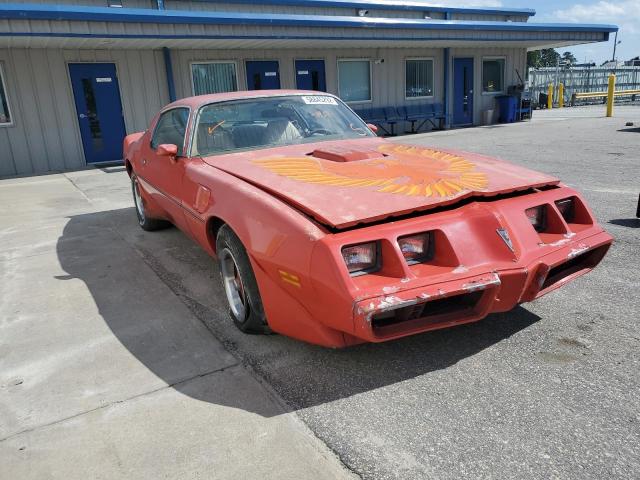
488	258
464	299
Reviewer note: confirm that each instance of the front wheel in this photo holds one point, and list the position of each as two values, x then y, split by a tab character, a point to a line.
146	223
239	282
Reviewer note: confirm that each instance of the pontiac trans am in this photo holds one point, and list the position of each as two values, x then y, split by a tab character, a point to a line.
329	234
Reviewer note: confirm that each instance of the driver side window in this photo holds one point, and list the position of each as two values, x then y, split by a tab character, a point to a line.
171	128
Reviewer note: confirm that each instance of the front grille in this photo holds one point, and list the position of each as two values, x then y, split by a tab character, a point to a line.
426	314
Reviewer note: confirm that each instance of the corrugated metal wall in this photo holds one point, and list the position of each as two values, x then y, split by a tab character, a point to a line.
265	8
45	134
387	77
92	3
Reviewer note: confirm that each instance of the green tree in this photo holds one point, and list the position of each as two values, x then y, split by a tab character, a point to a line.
547	57
569	58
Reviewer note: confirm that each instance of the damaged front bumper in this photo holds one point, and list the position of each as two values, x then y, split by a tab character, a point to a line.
463	299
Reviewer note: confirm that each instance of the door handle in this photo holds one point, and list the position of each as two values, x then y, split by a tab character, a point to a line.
82	115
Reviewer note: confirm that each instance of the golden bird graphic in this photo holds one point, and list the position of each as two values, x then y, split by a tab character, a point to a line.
407	170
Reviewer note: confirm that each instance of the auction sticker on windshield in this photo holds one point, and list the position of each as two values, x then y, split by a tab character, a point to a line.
319	100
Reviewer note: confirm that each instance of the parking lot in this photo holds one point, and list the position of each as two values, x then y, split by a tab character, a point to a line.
117	357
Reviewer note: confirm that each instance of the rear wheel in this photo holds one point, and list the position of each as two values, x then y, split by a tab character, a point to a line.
239	282
148	224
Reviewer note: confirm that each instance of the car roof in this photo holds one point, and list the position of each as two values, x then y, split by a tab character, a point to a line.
199	100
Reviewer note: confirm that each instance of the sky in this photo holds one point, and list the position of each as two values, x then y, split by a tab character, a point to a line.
623	13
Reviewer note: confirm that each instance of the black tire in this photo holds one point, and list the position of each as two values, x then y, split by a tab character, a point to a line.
146	223
249	317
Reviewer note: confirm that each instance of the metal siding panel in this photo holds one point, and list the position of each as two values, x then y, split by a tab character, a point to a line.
8	134
300	6
98	14
7	167
45	136
28	106
131	62
152	93
44	99
70	151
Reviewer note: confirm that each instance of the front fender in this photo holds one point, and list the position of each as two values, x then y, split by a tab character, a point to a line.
131	145
279	241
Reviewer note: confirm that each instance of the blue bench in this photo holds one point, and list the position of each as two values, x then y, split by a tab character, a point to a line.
373	115
386	118
423	113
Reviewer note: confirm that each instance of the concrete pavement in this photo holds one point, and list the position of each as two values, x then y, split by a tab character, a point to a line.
105	372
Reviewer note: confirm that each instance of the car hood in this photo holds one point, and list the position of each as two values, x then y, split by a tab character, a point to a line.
345	183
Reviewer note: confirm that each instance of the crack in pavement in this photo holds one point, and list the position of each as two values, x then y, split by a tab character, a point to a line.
116	402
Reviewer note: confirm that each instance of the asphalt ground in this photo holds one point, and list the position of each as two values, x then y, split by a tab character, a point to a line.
549	390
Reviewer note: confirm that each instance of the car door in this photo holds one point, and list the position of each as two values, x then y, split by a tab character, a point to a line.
163	176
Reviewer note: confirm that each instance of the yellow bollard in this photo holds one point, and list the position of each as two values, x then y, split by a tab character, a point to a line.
560	95
612	88
550	96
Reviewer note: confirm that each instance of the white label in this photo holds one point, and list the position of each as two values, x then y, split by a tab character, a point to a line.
269	74
103	79
303	72
319	100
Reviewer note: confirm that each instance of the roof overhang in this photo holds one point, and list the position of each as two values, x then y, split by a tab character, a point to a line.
406	5
68	26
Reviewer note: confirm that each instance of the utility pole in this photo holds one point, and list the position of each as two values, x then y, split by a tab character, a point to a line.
615	44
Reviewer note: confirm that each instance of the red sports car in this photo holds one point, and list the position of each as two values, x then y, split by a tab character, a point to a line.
329	234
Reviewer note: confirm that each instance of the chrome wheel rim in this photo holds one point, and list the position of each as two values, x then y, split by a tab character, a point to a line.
137	199
233	285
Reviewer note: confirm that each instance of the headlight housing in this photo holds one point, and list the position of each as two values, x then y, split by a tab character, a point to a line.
416	248
537	217
362	258
567	209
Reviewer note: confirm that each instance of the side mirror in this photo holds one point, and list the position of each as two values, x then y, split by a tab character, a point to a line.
372	127
167	150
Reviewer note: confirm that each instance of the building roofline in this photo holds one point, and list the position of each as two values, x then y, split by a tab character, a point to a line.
139	15
199	36
407	5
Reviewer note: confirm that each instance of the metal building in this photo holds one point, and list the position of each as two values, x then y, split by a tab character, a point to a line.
76	77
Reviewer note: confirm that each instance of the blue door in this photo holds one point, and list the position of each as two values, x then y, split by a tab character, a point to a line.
97	98
462	91
310	75
263	75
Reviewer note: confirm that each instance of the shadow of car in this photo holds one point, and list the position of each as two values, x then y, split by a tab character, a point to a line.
304	375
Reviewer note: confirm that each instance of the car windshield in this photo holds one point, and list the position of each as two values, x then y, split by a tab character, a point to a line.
226	127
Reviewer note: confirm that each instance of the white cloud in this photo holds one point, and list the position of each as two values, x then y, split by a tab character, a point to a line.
624	13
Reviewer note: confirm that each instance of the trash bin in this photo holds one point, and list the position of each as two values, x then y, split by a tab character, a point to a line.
487	117
507	104
542	100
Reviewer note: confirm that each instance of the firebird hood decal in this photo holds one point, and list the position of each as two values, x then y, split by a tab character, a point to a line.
390	180
407	171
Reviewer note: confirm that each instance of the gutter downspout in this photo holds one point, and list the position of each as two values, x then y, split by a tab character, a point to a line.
169	69
447	123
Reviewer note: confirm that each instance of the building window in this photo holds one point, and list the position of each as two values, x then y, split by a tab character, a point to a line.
214	77
492	75
5	115
418	78
354	80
